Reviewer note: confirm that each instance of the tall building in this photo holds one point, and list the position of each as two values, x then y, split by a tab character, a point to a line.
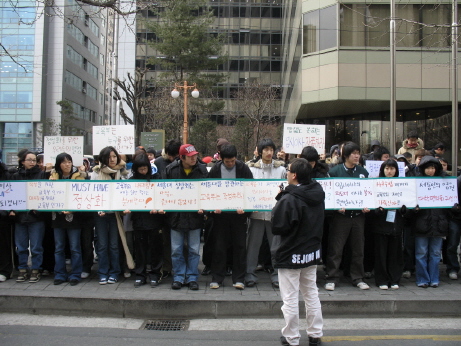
337	68
57	53
253	31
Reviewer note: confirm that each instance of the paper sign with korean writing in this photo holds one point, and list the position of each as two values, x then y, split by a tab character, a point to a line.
327	185
436	192
55	145
298	136
177	195
353	193
47	195
260	194
393	193
13	195
227	193
89	195
121	137
373	168
132	195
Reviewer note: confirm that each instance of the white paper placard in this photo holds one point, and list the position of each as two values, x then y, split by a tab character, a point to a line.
260	194
228	193
327	185
47	195
13	195
89	195
436	192
393	193
298	136
177	195
373	168
121	137
132	195
55	145
353	193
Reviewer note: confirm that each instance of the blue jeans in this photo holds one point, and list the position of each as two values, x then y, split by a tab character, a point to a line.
107	246
185	272
428	251
29	232
453	238
60	271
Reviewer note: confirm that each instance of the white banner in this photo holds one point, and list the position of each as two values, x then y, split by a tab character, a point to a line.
55	145
226	194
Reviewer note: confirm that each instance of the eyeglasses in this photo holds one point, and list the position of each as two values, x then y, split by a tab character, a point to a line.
30	160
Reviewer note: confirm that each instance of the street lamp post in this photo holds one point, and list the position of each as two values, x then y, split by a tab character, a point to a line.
175	95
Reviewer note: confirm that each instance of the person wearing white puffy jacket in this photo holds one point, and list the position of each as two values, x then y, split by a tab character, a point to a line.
260	222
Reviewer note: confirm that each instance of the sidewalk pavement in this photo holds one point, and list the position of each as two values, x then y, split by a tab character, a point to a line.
88	298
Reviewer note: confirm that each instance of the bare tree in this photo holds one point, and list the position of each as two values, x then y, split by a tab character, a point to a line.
260	105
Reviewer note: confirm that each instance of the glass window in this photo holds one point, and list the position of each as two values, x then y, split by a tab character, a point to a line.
328	28
311	28
436	36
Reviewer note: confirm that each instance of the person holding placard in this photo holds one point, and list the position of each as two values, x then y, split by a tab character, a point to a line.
67	225
6	236
29	225
111	167
347	224
146	229
387	226
429	226
229	228
186	226
265	168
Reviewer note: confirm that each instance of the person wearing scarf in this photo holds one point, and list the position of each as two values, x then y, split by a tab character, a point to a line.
111	167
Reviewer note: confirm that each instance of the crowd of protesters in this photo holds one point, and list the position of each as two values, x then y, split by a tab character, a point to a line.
151	246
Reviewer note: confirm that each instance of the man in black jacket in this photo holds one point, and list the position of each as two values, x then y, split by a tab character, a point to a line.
229	229
186	225
297	224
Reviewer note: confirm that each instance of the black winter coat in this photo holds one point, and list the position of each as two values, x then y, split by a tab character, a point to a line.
143	220
381	226
185	220
35	173
297	219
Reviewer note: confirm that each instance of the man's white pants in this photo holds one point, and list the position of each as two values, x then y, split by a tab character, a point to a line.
291	282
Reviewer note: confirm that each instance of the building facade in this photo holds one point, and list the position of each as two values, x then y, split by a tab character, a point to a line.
58	53
336	68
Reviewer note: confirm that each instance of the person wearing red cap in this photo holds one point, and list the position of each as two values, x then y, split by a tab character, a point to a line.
186	225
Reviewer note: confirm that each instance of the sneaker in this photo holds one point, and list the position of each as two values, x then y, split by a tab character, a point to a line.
34	276
453	276
176	285
330	286
46	272
395	287
2	278
103	281
363	286
314	341
406	274
383	287
23	275
153	283
239	285
214	285
84	275
112	280
139	283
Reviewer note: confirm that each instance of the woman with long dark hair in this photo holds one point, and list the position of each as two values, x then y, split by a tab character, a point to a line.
29	225
67	224
111	167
